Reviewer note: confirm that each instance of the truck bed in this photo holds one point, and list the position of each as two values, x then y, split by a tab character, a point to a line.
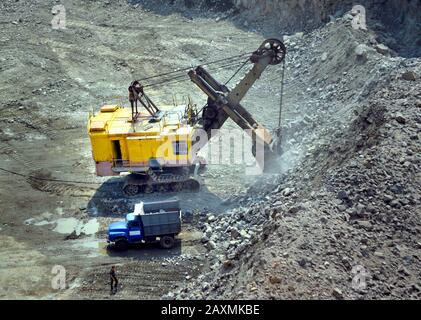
161	218
157	224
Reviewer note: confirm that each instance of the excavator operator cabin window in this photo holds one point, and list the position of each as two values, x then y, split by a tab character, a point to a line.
180	147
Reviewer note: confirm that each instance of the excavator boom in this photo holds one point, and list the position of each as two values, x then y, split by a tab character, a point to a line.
224	103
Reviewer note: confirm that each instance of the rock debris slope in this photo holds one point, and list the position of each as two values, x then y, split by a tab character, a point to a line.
343	220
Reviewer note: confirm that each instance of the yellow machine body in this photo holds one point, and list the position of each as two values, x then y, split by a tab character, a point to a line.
120	144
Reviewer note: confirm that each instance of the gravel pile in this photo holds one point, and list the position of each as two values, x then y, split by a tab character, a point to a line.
342	221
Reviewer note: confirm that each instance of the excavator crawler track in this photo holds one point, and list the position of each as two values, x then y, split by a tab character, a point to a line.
161	182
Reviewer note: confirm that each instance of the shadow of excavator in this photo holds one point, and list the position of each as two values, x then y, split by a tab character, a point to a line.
144	251
110	201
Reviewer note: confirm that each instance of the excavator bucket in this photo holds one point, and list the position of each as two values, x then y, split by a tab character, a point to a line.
272	157
267	155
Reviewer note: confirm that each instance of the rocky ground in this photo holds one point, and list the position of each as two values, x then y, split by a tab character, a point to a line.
340	221
50	80
344	222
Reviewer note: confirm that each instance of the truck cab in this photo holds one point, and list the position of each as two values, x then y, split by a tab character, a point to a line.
146	224
130	229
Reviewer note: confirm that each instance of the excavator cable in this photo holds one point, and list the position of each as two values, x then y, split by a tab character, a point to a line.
235	57
281	98
48	179
278	130
236	72
213	69
184	77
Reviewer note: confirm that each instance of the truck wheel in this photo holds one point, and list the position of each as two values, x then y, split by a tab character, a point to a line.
167	242
121	245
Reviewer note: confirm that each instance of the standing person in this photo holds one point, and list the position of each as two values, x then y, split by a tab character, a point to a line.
114	280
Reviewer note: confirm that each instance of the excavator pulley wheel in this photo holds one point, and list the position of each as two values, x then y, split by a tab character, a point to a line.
274	47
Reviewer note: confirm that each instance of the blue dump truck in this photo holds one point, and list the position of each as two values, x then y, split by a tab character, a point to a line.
149	222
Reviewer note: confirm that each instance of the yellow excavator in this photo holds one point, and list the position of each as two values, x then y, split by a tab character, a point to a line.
156	148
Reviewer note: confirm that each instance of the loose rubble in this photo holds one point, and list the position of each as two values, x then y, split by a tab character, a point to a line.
340	221
350	208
